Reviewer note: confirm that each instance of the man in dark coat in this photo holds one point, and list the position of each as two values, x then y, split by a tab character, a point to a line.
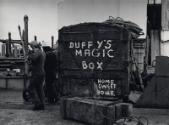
37	58
51	69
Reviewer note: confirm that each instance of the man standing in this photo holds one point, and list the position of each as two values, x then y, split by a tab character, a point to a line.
37	58
51	69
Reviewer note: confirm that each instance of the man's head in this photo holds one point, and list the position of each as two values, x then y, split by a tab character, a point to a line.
34	44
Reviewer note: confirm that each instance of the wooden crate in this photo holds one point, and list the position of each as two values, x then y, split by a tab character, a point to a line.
95	112
90	52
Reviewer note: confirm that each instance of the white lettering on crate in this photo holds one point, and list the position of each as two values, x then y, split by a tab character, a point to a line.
97	49
106	87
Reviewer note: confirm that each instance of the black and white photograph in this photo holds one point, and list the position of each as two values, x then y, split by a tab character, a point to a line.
84	62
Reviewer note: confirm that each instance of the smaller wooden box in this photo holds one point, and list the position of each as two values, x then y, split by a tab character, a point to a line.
95	112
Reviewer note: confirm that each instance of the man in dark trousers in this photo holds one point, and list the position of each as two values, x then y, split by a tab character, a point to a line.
37	58
51	69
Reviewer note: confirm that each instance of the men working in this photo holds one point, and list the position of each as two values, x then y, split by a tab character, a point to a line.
37	58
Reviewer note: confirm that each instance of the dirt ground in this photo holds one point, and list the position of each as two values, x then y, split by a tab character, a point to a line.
13	111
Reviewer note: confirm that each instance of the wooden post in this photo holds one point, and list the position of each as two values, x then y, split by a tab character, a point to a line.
26	33
35	38
26	48
52	41
8	45
4	49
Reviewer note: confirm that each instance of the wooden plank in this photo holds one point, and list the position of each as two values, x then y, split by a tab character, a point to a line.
12	41
155	44
165	14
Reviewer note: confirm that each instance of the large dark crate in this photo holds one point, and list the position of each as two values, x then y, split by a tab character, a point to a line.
95	56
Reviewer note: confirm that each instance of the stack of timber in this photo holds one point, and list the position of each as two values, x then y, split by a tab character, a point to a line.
11	63
12	73
96	112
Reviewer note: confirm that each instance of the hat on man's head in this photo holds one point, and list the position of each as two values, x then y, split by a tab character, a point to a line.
34	43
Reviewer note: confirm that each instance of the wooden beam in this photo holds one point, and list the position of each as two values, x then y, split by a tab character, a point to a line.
12	41
26	33
165	14
52	41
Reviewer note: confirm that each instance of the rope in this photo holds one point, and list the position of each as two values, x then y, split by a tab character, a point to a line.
133	28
